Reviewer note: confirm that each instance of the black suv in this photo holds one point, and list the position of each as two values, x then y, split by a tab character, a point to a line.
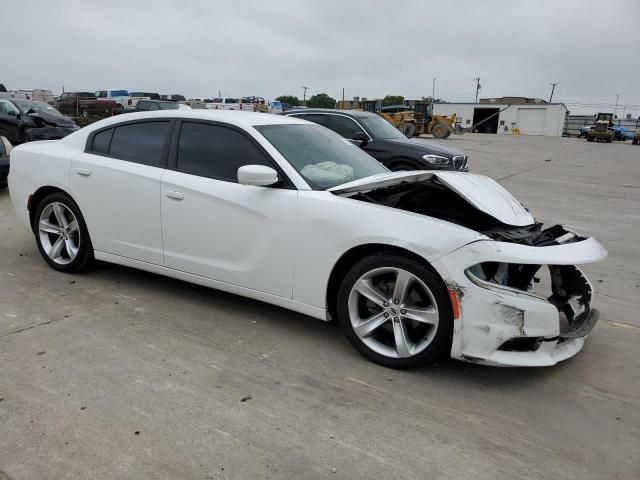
385	143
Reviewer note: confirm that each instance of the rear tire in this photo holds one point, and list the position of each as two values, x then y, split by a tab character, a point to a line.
61	234
395	311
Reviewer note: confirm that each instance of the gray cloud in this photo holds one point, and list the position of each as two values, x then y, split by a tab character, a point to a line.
371	48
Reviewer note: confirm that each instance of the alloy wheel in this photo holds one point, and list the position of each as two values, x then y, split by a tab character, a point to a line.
59	233
393	312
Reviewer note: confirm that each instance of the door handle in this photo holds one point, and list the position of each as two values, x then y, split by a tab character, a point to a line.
85	172
175	195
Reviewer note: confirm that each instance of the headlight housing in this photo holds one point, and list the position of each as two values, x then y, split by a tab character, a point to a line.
437	159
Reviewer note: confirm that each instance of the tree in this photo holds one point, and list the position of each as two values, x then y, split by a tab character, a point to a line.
321	100
392	100
290	99
432	100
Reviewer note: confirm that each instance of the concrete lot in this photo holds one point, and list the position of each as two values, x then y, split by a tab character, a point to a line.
118	373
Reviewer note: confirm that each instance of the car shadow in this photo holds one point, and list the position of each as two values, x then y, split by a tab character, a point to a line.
326	334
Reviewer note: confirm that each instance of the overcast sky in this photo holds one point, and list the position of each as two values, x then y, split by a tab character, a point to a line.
369	48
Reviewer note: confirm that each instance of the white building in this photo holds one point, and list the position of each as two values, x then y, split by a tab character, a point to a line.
530	116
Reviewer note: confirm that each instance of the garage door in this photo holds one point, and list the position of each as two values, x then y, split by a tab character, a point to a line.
531	121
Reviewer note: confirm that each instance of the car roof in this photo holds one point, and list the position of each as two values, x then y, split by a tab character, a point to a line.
232	117
350	113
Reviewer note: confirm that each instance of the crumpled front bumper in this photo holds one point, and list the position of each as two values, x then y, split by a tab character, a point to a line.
504	326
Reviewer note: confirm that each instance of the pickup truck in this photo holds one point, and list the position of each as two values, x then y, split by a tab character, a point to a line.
122	97
151	105
228	103
84	104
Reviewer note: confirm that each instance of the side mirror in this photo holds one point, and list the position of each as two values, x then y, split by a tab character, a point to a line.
360	138
257	175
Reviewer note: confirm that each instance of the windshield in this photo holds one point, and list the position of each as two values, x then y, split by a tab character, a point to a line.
322	157
380	128
26	105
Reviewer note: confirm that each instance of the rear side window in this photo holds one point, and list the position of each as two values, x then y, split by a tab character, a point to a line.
215	152
140	142
101	141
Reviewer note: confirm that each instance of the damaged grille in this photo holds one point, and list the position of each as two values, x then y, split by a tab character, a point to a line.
565	287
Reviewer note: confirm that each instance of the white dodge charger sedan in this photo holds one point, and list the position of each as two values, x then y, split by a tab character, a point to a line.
414	265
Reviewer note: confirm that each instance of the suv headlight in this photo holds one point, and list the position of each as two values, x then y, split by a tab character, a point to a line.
437	159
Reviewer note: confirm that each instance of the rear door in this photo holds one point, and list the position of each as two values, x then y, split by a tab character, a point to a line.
116	183
216	228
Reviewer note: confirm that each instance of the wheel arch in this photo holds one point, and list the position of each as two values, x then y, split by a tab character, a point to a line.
400	160
354	255
36	197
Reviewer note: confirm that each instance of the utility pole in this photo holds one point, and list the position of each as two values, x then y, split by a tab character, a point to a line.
342	97
433	90
553	88
304	95
478	87
615	111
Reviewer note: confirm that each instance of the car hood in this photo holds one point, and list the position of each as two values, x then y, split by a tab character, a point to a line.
482	192
52	119
426	147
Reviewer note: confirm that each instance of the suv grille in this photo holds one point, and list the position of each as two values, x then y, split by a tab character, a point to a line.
460	162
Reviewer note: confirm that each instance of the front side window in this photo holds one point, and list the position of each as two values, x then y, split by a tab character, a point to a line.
342	125
216	152
6	107
140	142
323	158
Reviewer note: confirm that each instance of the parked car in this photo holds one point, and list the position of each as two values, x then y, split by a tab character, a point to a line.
584	131
152	105
274	106
622	134
150	95
27	120
414	265
5	150
173	98
385	143
84	104
122	97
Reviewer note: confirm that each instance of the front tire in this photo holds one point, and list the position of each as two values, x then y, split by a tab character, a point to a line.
61	234
395	311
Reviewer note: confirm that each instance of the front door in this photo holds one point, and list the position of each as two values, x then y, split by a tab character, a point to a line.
217	228
9	121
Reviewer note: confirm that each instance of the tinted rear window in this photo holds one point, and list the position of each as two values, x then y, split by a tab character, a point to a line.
101	141
140	142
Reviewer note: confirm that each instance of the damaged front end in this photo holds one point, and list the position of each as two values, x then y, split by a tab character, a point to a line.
523	301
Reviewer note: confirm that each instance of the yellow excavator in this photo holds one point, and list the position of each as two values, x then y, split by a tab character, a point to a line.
415	121
420	120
